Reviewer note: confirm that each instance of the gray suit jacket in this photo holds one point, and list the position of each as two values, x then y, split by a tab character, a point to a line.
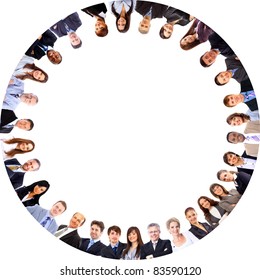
38	213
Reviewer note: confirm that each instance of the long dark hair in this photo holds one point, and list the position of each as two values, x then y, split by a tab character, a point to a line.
139	241
206	212
33	67
127	17
15	151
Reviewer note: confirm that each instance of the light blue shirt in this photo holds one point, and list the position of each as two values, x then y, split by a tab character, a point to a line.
13	93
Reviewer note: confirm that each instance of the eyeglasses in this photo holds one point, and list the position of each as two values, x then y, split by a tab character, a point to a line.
155	231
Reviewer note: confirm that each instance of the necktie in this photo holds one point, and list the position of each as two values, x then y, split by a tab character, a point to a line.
44	222
67	27
60	232
154	245
16	95
13	167
114	249
91	242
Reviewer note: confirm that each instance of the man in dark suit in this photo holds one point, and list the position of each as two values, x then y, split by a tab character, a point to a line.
16	170
156	247
234	70
69	233
218	47
115	248
98	11
41	47
68	26
8	122
93	245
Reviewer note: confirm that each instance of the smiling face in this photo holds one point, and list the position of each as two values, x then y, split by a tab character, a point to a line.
95	232
121	23
217	190
30	165
38	75
236	137
188	40
23	124
57	209
167	30
232	159
144	25
74	39
232	100
113	237
224	77
28	99
132	236
204	203
54	56
210	57
76	220
25	147
154	233
236	121
174	228
226	176
191	216
39	189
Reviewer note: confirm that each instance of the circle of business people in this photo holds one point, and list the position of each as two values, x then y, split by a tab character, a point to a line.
215	204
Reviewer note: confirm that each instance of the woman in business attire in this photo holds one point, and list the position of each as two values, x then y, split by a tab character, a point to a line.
134	243
214	214
14	146
26	69
199	229
30	195
179	240
228	199
122	10
239	179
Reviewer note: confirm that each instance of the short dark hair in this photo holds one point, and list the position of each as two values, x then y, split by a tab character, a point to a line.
99	224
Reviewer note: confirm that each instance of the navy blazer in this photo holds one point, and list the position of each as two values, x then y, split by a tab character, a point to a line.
17	177
242	181
163	248
108	252
72	238
95	249
95	10
7	116
199	233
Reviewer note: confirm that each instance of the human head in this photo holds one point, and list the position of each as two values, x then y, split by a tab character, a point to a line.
232	100
231	158
25	124
133	235
205	203
144	25
122	20
39	188
208	58
54	56
223	78
114	233
39	75
23	146
101	28
77	220
225	175
166	31
217	190
235	137
154	231
96	229
29	99
191	215
189	42
31	165
58	208
75	41
173	225
236	119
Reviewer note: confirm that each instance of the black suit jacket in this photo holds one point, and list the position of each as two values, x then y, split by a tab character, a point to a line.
143	7
242	181
72	238
199	233
16	178
47	39
108	252
95	10
95	249
7	116
163	248
217	42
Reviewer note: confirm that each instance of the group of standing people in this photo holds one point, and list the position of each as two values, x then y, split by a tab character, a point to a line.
214	210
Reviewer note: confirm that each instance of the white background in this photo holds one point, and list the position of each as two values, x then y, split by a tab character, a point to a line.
123	124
